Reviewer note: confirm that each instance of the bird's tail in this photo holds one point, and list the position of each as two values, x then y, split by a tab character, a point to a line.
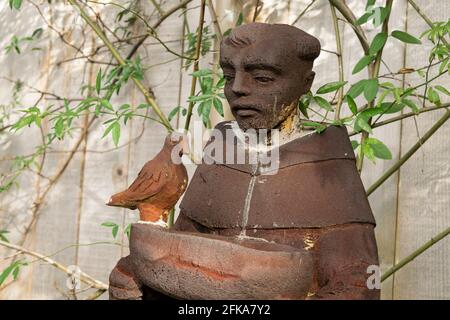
120	200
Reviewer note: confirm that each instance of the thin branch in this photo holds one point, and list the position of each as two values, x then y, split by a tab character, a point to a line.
303	12
415	254
118	57
340	62
87	279
424	17
350	17
404	116
256	12
374	70
158	7
40	199
156	25
410	152
150	30
198	46
215	21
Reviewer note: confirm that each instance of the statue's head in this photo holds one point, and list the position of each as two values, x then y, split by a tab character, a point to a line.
267	68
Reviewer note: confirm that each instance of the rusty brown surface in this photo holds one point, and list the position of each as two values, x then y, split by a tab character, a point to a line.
227	268
159	184
318	170
313	211
267	68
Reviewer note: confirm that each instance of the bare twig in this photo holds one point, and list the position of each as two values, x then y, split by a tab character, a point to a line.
156	25
340	62
87	279
350	17
303	12
118	57
215	21
198	47
256	12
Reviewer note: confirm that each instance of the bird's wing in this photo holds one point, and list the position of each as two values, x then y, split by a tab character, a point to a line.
150	180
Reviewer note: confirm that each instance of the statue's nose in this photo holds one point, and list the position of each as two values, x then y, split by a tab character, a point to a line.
241	84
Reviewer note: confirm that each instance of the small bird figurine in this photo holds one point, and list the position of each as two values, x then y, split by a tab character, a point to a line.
159	184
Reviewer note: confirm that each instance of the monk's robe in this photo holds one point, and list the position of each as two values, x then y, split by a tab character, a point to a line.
314	200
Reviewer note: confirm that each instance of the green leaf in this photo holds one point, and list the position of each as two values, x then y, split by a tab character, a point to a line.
380	150
368	151
173	113
125	106
411	105
351	104
37	33
362	63
2	235
443	65
378	43
202	73
323	103
109	224
143	106
391	107
356	89
364	18
105	103
405	37
303	104
442	89
6	273
11	268
114	128
218	106
371	89
205	111
330	87
199	98
98	81
380	14
127	231
116	133
240	19
319	127
110	127
371	112
362	123
15	4
433	96
370	3
114	231
59	128
355	144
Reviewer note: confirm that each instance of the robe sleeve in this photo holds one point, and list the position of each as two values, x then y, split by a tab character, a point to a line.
343	254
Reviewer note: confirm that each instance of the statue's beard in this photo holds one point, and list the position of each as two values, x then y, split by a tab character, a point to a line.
267	118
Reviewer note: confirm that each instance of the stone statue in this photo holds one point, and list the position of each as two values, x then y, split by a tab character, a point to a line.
300	230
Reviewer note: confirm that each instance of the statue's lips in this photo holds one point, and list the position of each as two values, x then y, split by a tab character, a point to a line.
245	110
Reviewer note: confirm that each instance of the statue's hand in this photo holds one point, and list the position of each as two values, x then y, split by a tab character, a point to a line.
123	285
187	265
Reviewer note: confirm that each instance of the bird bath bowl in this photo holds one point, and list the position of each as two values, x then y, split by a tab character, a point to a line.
191	265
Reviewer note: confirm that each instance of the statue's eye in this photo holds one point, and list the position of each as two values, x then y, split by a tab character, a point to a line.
228	78
263	79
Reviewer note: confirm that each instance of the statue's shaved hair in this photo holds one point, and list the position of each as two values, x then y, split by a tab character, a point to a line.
307	46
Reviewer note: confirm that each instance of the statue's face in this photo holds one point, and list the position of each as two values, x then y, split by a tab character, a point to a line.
264	81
